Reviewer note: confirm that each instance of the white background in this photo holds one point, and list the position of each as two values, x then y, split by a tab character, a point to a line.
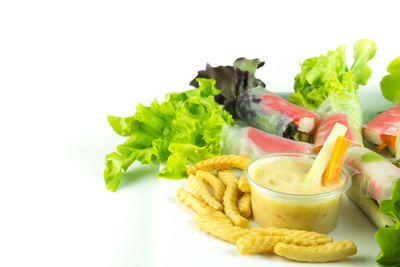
66	65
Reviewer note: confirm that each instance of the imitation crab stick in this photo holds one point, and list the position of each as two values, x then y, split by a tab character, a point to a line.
325	127
321	161
383	129
332	170
271	113
254	143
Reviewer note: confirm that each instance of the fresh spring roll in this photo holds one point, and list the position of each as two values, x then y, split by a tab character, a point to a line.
271	113
251	142
372	182
345	109
383	129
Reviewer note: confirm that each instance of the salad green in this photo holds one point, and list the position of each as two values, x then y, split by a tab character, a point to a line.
389	237
184	128
390	84
323	76
232	80
327	86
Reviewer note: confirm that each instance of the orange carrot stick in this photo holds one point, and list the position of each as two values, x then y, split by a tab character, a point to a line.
391	140
381	146
317	149
332	170
388	140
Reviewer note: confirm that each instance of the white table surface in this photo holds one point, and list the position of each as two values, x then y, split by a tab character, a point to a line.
66	65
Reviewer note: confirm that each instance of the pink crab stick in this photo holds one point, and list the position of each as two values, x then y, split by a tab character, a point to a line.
303	118
251	142
325	127
383	129
269	143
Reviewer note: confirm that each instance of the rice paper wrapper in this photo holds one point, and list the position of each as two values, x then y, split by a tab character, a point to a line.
343	108
387	122
273	114
373	175
384	128
253	143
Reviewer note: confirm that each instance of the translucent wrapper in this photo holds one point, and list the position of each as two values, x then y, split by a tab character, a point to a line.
343	108
384	128
253	143
373	176
271	113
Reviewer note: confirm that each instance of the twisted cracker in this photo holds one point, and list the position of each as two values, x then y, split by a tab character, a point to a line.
219	217
230	207
216	184
243	185
333	251
191	170
219	229
219	163
230	198
227	177
193	202
255	243
244	205
199	206
200	190
292	233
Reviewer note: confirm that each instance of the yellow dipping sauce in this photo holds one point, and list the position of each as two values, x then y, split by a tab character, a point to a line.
281	197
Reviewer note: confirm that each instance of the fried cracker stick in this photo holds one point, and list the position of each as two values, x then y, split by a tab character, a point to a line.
273	231
256	243
230	207
243	185
219	228
244	205
200	190
219	163
216	184
227	177
199	206
230	198
333	251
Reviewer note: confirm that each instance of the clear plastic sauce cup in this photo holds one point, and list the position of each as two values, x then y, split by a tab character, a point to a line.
295	207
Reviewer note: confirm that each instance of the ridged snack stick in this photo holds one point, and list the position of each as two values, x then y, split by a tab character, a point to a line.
333	251
200	190
227	177
230	198
213	181
293	233
199	206
219	163
219	229
256	243
243	185
244	205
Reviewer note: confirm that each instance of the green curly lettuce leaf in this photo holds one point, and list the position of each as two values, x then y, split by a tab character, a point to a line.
323	76
390	84
389	237
183	129
364	51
